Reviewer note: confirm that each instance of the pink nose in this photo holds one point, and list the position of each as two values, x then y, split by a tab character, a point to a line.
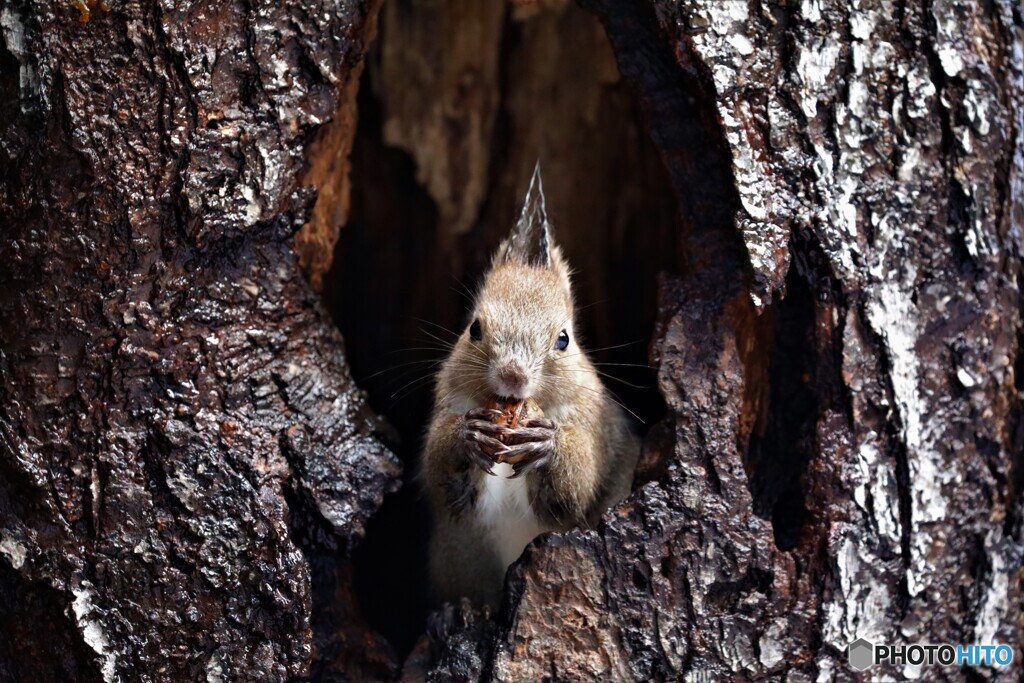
513	376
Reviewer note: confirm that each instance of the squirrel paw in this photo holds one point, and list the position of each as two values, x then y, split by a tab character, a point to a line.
532	446
481	438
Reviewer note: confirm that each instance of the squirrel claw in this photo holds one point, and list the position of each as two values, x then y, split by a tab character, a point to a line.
528	456
480	458
481	443
489	428
484	464
484	414
527	467
532	446
529	435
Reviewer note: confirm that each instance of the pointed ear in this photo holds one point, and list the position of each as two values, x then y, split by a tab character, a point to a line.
530	241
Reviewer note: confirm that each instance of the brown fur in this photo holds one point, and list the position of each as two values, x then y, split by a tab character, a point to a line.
522	306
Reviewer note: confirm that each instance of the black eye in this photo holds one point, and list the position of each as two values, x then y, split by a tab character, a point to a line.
563	341
475	331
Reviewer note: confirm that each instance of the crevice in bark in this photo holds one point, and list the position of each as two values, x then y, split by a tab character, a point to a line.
958	219
803	348
903	487
40	641
784	442
1014	525
926	43
10	85
345	648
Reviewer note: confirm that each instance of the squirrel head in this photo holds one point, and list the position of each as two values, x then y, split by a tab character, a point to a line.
521	341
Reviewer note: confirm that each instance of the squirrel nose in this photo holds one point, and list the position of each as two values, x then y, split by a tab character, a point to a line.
513	376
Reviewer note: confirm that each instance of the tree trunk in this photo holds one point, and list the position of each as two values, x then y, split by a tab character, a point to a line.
833	193
842	453
186	463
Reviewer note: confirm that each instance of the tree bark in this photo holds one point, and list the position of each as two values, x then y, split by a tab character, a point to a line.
187	469
840	359
185	461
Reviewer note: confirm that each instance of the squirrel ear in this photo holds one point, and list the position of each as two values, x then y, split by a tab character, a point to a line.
530	241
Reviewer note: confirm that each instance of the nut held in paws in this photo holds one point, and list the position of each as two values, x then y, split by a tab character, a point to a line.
513	411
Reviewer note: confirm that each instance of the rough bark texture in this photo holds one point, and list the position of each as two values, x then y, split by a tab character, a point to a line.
186	468
172	395
840	360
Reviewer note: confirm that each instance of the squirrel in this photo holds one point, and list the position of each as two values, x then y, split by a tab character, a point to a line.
493	487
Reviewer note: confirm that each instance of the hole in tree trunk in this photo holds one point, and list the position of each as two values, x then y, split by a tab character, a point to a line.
782	445
410	257
803	383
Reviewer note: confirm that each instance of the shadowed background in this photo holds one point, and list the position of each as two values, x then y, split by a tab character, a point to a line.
447	137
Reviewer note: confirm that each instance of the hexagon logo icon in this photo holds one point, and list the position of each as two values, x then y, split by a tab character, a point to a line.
861	654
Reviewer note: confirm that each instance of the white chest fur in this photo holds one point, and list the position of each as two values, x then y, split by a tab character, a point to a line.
504	512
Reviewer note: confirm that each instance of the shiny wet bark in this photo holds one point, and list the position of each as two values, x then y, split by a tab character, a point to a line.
812	211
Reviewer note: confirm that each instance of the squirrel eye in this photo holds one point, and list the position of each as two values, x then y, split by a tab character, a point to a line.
563	341
475	332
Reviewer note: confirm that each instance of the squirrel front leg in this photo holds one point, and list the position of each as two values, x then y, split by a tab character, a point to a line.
455	444
462	561
562	463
